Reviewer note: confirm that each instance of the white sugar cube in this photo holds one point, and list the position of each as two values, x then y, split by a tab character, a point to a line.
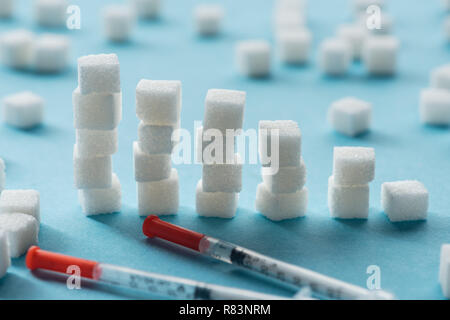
355	35
379	55
155	139
23	110
101	201
99	73
335	56
22	232
50	13
350	116
6	10
440	77
158	102
215	204
96	111
147	9
435	106
159	197
16	48
444	270
150	167
96	143
348	201
404	200
353	165
92	173
2	175
294	45
214	146
208	19
118	22
281	206
22	201
50	53
253	58
223	177
286	180
5	259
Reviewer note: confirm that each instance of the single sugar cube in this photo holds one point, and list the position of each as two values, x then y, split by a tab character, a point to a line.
96	143
215	204
5	259
355	35
50	53
208	19
281	206
154	139
294	45
50	13
353	165
99	73
286	180
22	201
101	201
380	55
223	177
22	232
96	111
253	58
444	270
435	106
92	173
404	200
159	197
208	149
147	9
348	201
335	56
2	175
440	77
350	116
118	22
150	167
23	110
6	11
16	48
158	102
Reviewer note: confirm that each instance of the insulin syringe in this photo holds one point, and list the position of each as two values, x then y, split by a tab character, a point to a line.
320	285
159	284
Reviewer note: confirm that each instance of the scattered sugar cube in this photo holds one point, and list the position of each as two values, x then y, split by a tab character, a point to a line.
348	201
286	180
155	139
22	201
223	177
404	200
208	149
50	53
92	173
208	19
215	204
253	58
150	167
158	102
2	175
355	35
335	56
281	206
444	270
440	77
118	22
350	116
380	55
22	232
147	9
435	106
50	13
353	165
23	110
96	143
16	48
6	11
159	197
5	259
99	73
294	45
96	111
101	201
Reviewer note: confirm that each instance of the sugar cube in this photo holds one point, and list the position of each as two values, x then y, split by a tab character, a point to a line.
404	200
22	201
353	165
379	55
50	13
6	11
335	56
253	58
209	150
281	206
440	77
96	111
208	19
159	197
158	102
2	175
286	180
99	73
23	110
101	201
216	204
118	22
355	35
348	201
150	167
147	9
435	106
16	48
350	116
444	270
22	232
155	139
92	173
96	143
50	53
223	177
294	45
5	259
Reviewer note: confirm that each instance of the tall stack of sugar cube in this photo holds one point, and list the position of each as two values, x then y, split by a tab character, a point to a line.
217	193
282	194
97	106
158	107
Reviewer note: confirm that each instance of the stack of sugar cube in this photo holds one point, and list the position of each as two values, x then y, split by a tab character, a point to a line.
282	194
348	187
217	192
97	105
158	107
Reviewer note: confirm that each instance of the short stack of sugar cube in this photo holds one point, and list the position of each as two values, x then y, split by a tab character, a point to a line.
217	192
282	194
97	105
158	107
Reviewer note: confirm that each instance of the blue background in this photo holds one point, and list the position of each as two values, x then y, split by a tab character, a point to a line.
407	253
